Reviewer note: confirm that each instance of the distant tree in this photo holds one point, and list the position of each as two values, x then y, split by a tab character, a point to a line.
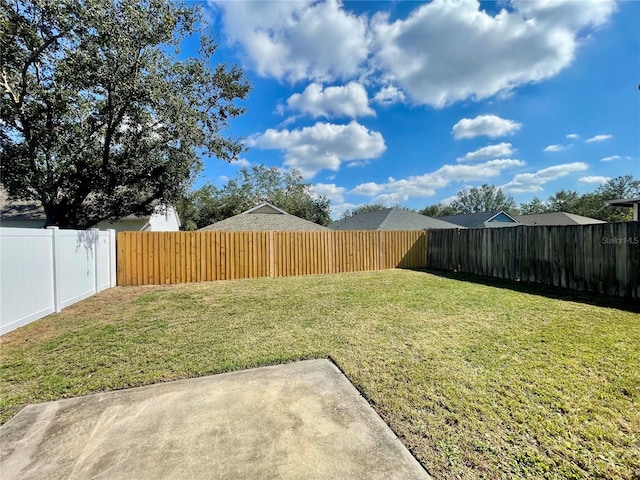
487	198
371	207
100	117
196	207
624	186
252	186
564	201
366	208
534	206
593	204
438	210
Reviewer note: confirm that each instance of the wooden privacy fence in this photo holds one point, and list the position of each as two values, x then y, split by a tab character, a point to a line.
157	258
602	258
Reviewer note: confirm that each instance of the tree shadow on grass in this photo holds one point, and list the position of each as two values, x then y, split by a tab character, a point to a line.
557	293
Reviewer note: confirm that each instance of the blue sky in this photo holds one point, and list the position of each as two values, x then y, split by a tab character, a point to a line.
410	102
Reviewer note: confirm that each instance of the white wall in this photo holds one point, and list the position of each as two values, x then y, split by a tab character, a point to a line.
128	224
43	271
164	219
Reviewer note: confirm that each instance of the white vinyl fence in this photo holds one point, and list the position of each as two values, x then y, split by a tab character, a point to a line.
43	271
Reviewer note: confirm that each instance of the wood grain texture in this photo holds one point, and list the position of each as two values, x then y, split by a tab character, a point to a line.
157	258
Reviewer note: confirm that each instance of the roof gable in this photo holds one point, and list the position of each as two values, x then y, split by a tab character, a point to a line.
390	219
480	219
266	208
502	217
264	217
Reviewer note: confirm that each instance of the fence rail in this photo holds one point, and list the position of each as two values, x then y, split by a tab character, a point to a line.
602	258
157	258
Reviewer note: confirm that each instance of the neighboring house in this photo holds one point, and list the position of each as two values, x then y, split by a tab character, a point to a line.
627	203
163	219
482	220
555	218
264	217
30	214
390	219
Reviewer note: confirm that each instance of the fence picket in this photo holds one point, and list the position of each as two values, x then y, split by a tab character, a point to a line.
154	258
602	258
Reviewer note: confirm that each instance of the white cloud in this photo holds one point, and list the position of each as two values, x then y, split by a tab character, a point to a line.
555	148
490	151
594	179
389	95
350	100
431	56
573	136
339	208
298	40
322	146
241	162
598	138
533	182
448	200
566	13
487	125
445	51
368	189
614	157
331	190
395	191
336	195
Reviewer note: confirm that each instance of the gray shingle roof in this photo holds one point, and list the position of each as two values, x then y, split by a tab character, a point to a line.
624	202
264	217
20	209
472	220
556	218
33	209
390	219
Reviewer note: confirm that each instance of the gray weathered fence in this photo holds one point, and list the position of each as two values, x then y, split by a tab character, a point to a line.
602	258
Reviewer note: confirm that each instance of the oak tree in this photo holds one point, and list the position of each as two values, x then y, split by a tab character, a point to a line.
101	115
486	198
285	189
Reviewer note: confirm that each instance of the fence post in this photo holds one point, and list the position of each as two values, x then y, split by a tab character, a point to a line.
95	238
57	269
112	257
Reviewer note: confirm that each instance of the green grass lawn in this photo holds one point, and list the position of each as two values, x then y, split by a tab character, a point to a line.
478	381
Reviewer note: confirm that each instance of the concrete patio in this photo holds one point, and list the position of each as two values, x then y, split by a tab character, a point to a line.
294	421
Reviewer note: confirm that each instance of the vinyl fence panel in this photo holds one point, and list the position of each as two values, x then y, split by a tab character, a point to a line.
26	277
43	271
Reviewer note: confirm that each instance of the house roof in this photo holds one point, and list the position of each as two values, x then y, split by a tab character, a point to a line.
20	209
264	217
624	202
479	219
390	219
33	210
267	208
556	218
